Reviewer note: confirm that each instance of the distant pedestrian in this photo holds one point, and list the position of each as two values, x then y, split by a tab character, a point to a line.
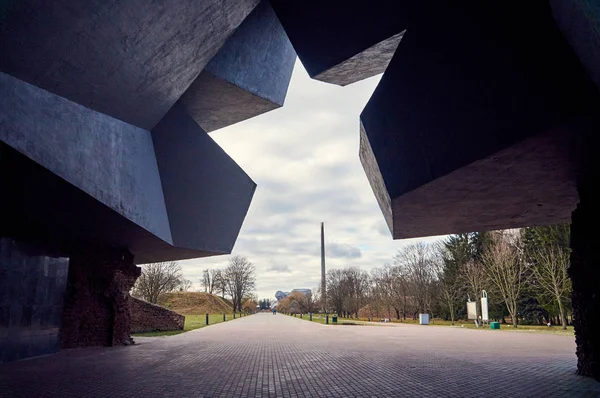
274	311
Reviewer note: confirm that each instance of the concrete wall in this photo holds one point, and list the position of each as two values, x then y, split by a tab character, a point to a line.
147	317
249	76
82	84
108	159
129	59
207	194
460	90
32	290
342	42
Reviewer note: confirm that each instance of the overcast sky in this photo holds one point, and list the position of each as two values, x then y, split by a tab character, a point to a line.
304	159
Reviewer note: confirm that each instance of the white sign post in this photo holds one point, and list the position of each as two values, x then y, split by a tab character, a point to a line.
471	310
485	318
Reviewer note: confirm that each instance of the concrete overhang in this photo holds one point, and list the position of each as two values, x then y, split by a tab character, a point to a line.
342	42
478	123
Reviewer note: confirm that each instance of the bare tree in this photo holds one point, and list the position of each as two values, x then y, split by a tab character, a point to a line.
220	284
294	301
306	303
158	278
400	292
185	285
550	271
416	263
211	280
449	288
382	292
506	269
240	280
316	298
336	290
356	287
206	280
473	276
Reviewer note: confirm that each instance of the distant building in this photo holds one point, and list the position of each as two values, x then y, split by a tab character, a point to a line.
303	291
280	295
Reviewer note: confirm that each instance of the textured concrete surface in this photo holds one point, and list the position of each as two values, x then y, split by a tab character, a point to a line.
370	62
460	89
196	203
279	356
249	76
207	194
525	185
342	42
110	160
42	207
128	59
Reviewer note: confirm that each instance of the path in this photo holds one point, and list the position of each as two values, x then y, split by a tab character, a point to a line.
267	355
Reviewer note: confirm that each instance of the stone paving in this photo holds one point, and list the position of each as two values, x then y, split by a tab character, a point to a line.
280	356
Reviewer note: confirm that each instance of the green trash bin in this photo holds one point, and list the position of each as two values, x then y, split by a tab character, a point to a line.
494	325
334	318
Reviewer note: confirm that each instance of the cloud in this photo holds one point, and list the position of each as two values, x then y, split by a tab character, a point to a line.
340	250
280	268
304	159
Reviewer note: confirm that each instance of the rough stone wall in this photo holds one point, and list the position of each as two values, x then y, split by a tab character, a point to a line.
585	276
96	309
147	317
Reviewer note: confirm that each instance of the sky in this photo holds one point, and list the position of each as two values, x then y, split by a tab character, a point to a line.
304	160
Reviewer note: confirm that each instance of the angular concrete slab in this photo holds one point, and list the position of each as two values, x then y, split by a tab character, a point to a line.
71	176
108	159
128	59
469	128
342	42
206	193
249	76
40	207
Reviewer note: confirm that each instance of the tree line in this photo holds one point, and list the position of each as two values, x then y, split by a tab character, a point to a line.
523	271
298	303
159	278
237	281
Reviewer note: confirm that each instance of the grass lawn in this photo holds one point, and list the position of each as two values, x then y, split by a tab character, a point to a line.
320	318
191	322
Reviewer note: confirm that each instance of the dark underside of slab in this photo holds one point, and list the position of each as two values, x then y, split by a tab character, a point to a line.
128	59
527	184
38	206
216	103
248	77
342	42
470	129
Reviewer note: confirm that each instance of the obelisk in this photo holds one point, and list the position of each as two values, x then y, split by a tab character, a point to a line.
323	283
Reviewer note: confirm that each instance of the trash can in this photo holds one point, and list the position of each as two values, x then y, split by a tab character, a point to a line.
334	318
423	319
494	325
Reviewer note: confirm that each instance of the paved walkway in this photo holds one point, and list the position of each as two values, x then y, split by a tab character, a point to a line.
280	356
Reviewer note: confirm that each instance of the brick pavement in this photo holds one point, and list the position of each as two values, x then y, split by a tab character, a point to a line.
280	356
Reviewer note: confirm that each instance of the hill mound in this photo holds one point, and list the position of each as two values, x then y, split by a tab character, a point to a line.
194	303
